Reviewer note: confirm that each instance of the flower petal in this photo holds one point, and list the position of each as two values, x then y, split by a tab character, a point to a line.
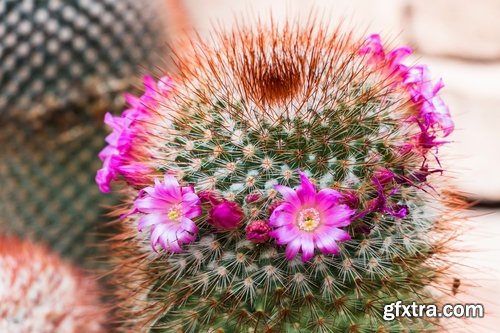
151	205
149	220
326	198
285	234
156	232
288	194
307	247
280	218
189	225
326	244
340	235
338	216
306	191
292	249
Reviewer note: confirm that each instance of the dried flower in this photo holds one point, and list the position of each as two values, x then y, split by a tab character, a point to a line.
380	204
383	175
350	198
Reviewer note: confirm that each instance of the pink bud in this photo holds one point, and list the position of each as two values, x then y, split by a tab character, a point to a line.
226	215
258	231
252	197
210	196
274	205
383	175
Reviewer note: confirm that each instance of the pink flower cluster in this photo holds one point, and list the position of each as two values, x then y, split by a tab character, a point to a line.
433	116
118	156
305	220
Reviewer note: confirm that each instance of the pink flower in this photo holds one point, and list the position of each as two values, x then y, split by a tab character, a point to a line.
391	62
113	155
309	219
433	114
226	215
169	210
253	197
258	231
433	111
117	157
373	49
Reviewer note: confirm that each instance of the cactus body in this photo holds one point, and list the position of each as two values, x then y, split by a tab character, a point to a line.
286	187
63	64
40	293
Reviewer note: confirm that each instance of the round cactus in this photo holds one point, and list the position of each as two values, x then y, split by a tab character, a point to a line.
280	182
40	293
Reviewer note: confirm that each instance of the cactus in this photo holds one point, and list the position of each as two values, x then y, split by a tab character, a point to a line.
64	63
41	293
280	181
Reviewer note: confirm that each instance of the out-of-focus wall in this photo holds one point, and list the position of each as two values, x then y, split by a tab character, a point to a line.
459	40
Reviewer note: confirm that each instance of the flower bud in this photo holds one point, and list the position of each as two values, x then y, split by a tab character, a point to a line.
226	215
274	205
209	196
258	231
253	197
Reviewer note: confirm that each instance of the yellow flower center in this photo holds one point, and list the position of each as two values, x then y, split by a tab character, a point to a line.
175	213
308	219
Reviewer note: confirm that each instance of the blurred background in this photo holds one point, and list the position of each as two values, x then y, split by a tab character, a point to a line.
63	64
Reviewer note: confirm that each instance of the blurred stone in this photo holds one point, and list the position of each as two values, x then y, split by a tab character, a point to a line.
471	93
462	28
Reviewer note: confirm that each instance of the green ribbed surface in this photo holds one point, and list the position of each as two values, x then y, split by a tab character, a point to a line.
63	64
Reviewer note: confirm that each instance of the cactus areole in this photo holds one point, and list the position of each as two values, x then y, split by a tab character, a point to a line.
280	181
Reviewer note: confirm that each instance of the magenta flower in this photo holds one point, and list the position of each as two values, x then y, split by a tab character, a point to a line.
376	56
433	112
169	209
117	156
258	231
373	49
309	219
112	155
226	215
